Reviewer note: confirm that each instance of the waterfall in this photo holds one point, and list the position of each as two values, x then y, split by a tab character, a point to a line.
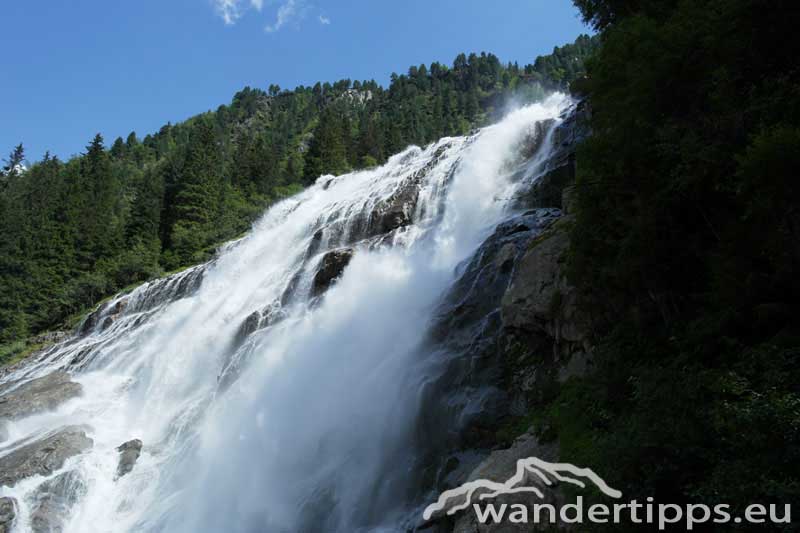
278	387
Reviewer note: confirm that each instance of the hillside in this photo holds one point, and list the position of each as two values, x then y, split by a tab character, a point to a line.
73	232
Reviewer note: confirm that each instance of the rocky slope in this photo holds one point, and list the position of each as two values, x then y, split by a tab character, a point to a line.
514	328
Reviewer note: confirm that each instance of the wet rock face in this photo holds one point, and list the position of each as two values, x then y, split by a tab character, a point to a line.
103	317
559	168
43	456
260	319
486	276
150	295
330	269
8	513
467	395
397	210
52	501
39	395
128	455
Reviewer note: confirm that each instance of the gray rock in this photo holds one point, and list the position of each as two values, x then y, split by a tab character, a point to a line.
52	501
50	337
44	455
501	465
128	455
330	269
8	513
38	395
395	212
260	319
540	299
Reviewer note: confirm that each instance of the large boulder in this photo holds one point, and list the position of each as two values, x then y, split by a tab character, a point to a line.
38	395
44	455
330	269
52	501
8	513
129	453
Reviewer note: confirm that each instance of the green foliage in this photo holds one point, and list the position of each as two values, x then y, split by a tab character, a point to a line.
72	233
686	239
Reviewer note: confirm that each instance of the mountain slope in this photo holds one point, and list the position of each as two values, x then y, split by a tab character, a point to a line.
73	232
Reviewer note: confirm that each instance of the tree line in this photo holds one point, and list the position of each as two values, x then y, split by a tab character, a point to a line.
75	231
687	241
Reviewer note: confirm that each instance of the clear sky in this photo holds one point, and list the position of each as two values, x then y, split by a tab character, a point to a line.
73	68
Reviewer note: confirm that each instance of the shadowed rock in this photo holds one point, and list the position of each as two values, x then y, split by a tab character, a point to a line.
330	269
43	456
396	211
128	455
38	395
260	319
540	299
8	513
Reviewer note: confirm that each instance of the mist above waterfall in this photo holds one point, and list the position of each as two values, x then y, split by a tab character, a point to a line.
265	399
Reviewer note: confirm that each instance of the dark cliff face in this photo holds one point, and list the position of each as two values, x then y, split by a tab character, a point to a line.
509	331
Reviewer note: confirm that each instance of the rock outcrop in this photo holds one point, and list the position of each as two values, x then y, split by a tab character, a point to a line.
330	269
396	211
541	300
558	171
44	455
52	501
129	453
8	514
260	319
38	395
511	329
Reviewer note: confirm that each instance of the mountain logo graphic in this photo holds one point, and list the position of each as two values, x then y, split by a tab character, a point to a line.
548	473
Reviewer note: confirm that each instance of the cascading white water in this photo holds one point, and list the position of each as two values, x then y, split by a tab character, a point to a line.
305	423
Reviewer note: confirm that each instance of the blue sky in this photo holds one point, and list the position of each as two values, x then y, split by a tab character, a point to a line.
75	68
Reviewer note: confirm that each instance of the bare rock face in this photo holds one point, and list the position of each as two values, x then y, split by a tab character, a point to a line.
8	513
104	316
39	395
43	456
51	503
396	211
128	455
540	299
330	269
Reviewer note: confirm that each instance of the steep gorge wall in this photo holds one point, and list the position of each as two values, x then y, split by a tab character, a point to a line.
516	331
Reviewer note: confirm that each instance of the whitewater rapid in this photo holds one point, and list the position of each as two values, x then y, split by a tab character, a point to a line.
305	423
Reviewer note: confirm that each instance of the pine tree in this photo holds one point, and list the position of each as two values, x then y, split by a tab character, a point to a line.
200	190
15	161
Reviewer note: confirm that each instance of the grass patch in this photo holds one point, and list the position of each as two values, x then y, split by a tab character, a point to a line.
16	351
